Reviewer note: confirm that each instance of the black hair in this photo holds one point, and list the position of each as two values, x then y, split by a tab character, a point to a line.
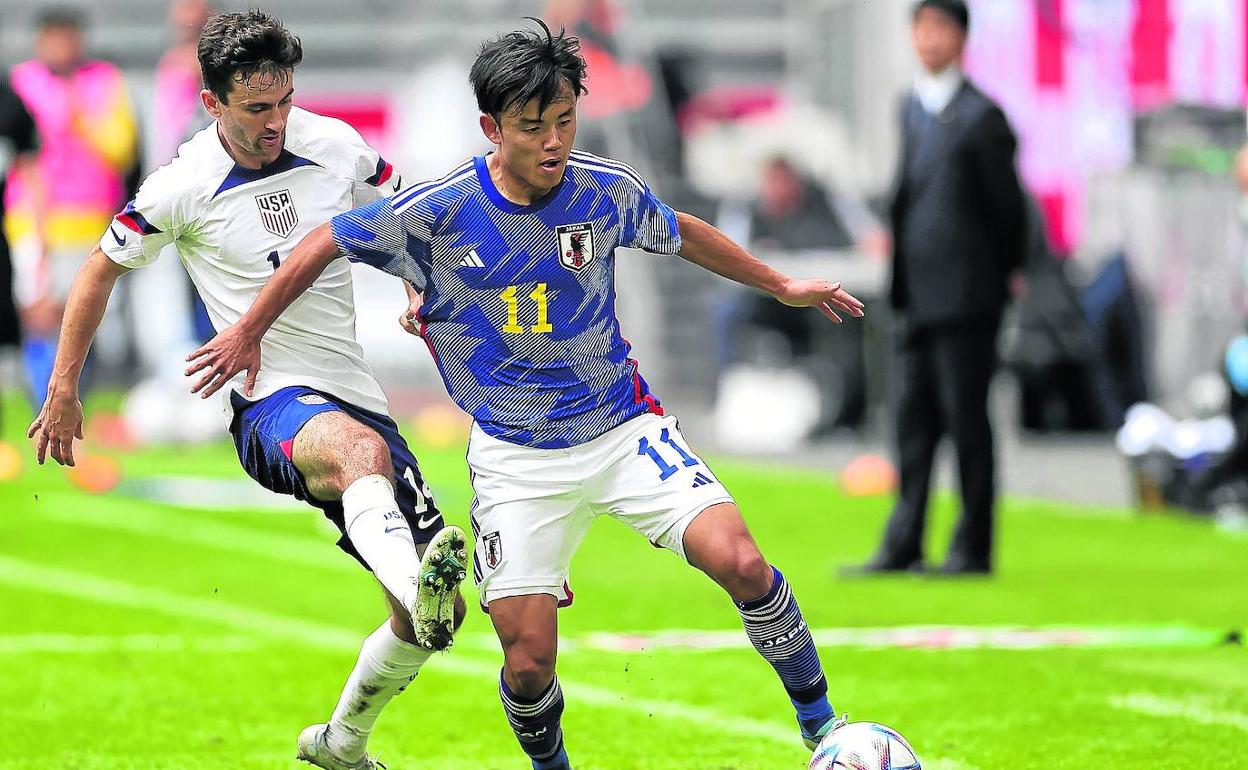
955	8
235	46
520	66
60	17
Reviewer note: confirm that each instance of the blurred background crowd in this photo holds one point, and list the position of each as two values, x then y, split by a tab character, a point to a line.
1123	366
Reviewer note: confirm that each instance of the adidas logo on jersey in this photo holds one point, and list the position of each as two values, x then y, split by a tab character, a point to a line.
700	479
471	259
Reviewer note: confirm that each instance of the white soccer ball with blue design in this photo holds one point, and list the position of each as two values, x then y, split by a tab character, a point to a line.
864	746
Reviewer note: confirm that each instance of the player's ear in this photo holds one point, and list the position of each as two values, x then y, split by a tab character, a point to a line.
211	103
492	130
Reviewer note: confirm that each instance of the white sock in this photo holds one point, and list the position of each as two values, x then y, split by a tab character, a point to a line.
386	666
381	535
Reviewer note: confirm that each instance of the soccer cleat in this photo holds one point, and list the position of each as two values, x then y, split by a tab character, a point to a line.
442	569
314	751
813	734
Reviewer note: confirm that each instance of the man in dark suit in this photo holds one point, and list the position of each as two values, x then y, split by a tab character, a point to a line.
958	220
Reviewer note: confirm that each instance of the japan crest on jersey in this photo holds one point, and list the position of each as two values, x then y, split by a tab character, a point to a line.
576	245
277	212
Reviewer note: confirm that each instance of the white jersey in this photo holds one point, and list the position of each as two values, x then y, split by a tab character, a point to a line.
233	226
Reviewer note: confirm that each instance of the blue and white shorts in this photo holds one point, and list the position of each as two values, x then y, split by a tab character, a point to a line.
264	434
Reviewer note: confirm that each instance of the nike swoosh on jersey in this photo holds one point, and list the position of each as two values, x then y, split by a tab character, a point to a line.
424	523
120	241
394	529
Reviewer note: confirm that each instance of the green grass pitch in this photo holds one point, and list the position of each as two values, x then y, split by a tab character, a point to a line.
139	634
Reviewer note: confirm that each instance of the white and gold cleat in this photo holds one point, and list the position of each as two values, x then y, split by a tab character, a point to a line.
443	567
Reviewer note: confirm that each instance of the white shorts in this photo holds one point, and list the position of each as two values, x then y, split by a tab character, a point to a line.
533	506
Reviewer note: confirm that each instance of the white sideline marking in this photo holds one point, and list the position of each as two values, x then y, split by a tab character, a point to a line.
1205	680
201	493
227	537
1190	709
81	585
926	637
82	644
306	551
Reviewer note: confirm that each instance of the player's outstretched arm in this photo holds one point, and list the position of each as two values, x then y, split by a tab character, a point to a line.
60	419
707	246
237	348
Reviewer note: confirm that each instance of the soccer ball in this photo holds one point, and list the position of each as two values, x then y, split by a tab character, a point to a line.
864	746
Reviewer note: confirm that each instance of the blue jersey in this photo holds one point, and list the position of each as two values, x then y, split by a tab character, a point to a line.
519	309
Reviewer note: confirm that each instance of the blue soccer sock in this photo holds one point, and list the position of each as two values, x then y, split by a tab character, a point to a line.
38	355
775	626
535	722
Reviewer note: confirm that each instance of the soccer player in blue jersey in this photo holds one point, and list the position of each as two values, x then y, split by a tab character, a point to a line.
513	256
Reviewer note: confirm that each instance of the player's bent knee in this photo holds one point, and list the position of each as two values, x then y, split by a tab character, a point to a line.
751	575
530	670
335	454
359	455
530	661
365	453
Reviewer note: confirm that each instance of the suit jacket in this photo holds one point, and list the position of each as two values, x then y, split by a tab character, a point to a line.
958	212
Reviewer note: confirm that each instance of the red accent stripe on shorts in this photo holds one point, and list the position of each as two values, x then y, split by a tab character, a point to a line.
651	403
288	448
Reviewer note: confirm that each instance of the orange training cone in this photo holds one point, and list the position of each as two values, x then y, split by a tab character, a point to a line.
10	462
95	474
868	475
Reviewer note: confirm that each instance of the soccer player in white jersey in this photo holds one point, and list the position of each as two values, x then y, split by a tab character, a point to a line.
236	200
514	255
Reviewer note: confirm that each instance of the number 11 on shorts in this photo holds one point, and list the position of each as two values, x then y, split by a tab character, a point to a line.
665	469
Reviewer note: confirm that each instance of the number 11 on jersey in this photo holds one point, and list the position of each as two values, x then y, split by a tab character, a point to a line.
538	295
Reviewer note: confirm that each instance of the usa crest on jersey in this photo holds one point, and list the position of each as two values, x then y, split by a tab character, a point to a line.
277	212
576	245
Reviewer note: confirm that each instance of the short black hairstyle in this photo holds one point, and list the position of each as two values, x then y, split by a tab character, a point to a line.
60	17
235	46
513	69
954	8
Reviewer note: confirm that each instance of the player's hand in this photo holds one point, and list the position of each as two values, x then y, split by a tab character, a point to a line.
233	350
827	296
408	319
58	424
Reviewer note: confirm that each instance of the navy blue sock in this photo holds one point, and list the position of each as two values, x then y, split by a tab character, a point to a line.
535	722
775	626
